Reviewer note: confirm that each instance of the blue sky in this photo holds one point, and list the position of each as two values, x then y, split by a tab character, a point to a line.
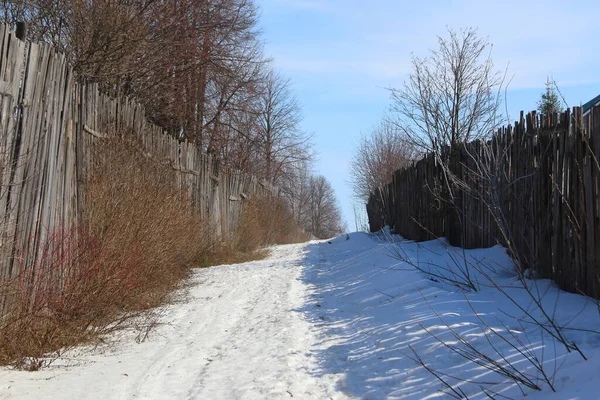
342	54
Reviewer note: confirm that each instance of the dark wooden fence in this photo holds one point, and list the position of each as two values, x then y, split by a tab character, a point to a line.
540	182
48	126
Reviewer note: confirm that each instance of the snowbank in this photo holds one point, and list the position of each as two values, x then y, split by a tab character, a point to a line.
383	322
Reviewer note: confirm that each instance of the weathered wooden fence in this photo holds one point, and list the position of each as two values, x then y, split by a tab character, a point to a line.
48	125
540	182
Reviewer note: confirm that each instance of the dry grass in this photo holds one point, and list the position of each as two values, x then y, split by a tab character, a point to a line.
139	238
266	221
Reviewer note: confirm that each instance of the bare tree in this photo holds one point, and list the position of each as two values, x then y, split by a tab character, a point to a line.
120	44
324	215
207	92
296	191
280	139
451	95
377	157
313	203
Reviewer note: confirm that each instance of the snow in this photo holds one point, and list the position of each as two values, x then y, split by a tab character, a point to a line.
340	319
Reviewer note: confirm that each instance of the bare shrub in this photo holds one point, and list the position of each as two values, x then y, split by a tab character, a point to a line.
266	220
74	291
457	272
530	369
496	360
139	237
134	206
489	191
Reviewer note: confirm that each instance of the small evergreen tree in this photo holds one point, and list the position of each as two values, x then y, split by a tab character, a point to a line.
549	103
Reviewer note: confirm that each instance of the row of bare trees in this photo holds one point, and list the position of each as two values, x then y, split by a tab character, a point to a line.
198	68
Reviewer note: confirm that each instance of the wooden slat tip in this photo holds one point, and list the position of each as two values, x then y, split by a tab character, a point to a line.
94	133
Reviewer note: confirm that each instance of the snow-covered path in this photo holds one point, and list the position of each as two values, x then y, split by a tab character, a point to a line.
239	334
239	337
